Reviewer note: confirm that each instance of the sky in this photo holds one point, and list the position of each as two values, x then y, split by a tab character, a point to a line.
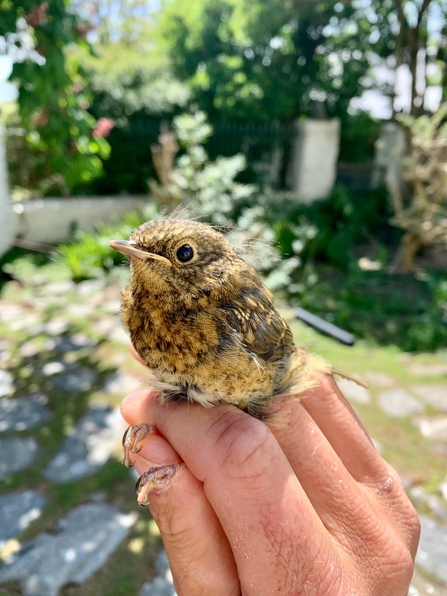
379	106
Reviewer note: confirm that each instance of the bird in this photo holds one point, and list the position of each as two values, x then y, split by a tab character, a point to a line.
206	325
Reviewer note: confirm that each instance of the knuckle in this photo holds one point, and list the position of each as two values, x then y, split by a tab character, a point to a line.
413	524
240	444
399	571
394	565
174	531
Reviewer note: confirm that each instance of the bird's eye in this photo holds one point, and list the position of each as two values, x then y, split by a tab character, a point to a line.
185	253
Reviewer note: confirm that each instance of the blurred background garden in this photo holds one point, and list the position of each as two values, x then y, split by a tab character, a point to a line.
314	132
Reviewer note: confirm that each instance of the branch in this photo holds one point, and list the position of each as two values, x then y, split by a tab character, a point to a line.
424	7
400	10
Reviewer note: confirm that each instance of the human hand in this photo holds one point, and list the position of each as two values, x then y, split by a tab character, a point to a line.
304	505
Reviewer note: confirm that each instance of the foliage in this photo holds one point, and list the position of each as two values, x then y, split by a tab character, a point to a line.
399	34
90	255
126	73
205	188
209	187
328	230
55	131
382	308
358	137
258	61
424	216
309	253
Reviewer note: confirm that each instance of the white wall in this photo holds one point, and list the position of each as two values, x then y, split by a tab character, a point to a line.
7	219
313	167
51	220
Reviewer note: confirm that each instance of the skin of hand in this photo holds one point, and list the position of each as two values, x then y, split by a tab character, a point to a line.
305	505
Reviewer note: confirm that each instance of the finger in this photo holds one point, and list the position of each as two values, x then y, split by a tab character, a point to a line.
340	425
337	498
276	537
198	550
322	458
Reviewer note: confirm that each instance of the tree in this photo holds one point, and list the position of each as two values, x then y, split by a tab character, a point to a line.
265	60
260	61
58	147
405	34
424	218
126	72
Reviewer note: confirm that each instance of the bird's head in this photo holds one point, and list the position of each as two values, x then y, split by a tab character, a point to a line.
180	256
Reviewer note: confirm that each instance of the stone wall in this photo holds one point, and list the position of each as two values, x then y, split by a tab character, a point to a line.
53	220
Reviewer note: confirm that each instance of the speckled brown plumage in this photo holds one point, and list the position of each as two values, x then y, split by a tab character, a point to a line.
208	328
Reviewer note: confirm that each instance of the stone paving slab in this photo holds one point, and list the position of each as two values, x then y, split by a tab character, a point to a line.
29	349
420	586
17	453
443	488
72	343
58	288
55	326
79	379
6	383
53	368
398	403
380	379
82	310
436	506
432	553
5	354
90	286
21	413
73	552
427	370
435	395
17	511
353	391
89	446
163	584
434	428
106	325
24	322
120	383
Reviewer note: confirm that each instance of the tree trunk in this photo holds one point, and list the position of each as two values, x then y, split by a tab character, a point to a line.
409	247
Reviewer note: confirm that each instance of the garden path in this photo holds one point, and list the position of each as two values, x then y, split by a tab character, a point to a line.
67	509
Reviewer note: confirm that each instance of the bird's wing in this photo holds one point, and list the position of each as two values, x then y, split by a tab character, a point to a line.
263	330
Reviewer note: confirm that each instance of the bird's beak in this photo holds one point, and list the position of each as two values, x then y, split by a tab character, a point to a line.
127	248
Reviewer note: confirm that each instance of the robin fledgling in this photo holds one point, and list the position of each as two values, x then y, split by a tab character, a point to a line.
206	326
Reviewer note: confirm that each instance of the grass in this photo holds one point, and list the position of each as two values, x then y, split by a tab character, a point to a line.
412	455
128	567
132	563
387	310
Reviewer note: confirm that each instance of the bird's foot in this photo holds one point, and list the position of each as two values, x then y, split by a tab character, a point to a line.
152	478
131	440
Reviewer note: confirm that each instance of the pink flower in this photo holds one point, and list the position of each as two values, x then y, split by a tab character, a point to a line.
37	15
103	128
41	118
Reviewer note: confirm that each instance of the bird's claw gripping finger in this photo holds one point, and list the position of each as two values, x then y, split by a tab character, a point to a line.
152	478
132	438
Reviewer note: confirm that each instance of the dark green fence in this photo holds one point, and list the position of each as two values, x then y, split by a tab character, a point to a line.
130	164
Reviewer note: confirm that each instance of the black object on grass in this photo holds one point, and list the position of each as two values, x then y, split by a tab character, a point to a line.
327	328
